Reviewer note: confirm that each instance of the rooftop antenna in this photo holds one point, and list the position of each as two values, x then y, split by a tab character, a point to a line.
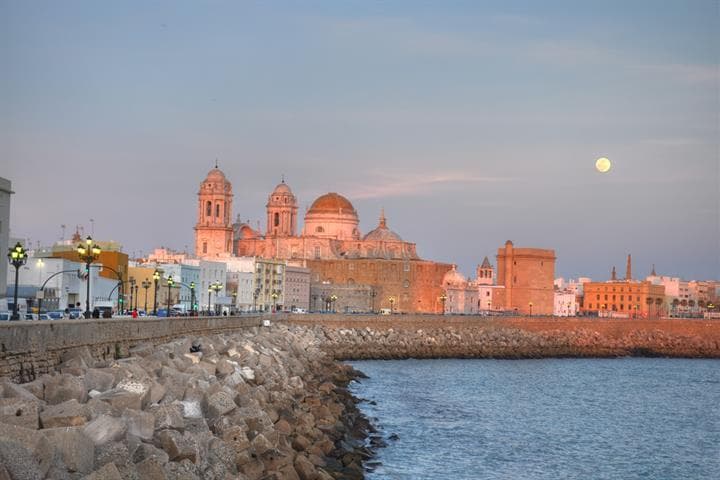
92	227
216	162
62	227
282	176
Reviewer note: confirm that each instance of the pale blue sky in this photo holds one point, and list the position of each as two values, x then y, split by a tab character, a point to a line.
470	122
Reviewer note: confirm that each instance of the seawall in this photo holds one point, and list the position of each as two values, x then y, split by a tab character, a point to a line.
30	348
438	336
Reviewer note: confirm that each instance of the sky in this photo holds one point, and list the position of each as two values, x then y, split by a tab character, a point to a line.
469	122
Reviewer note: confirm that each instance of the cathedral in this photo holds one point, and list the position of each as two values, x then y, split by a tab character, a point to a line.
363	272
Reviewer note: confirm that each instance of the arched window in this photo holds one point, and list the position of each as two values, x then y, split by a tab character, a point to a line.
208	209
204	247
276	221
217	210
319	230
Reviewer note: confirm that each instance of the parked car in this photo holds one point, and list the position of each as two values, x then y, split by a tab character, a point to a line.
76	313
56	314
44	316
5	316
30	316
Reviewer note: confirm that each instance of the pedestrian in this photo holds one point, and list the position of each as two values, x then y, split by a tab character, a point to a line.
134	313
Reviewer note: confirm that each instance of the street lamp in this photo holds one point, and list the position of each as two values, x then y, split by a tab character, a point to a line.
137	297
443	299
530	304
192	299
274	297
156	279
333	299
170	283
214	287
256	294
88	252
234	301
131	281
373	294
17	256
146	285
392	304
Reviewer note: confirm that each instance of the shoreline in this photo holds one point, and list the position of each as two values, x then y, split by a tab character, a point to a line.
262	403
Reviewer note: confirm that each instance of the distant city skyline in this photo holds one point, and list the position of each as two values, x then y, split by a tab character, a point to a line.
470	124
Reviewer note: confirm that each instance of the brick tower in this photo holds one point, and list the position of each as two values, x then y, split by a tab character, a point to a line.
213	231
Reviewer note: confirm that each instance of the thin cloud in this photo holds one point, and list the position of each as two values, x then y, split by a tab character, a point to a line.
418	184
689	73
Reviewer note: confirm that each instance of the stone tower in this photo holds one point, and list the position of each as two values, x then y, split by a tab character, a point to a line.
281	212
527	275
213	230
485	273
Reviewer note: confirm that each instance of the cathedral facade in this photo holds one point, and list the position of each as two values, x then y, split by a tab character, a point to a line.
380	263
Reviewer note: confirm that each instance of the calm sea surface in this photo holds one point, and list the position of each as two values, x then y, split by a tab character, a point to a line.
624	419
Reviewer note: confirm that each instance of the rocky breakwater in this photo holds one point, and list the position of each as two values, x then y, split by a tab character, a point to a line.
263	404
504	342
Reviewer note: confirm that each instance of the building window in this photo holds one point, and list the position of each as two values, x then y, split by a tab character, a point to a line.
276	220
319	229
204	247
590	305
406	267
217	210
406	284
317	252
597	297
208	209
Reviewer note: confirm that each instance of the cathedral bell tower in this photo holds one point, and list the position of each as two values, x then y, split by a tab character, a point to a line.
213	230
281	212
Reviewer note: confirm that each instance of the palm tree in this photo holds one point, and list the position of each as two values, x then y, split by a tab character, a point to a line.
649	302
658	302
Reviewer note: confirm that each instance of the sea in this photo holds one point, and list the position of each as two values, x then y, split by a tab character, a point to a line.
624	418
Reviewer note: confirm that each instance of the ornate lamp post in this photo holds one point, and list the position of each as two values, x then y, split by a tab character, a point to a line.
373	294
170	283
392	304
193	311
156	279
234	301
256	294
131	281
214	287
17	256
88	252
137	287
333	299
443	299
146	285
530	304
274	297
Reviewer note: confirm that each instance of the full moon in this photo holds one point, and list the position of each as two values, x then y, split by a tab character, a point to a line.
603	165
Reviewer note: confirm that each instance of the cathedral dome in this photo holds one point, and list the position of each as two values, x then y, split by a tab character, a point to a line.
216	176
454	278
332	203
332	216
282	188
382	233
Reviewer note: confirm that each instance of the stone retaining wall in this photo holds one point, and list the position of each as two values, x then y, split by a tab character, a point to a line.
31	348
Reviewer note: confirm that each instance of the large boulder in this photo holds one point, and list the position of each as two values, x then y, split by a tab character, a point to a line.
43	452
99	379
76	449
139	423
19	411
108	472
178	446
66	414
105	429
61	388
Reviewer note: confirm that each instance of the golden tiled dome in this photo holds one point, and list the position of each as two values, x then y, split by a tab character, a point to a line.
332	203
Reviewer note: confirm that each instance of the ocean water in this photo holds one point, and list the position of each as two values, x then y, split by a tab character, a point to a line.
628	418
